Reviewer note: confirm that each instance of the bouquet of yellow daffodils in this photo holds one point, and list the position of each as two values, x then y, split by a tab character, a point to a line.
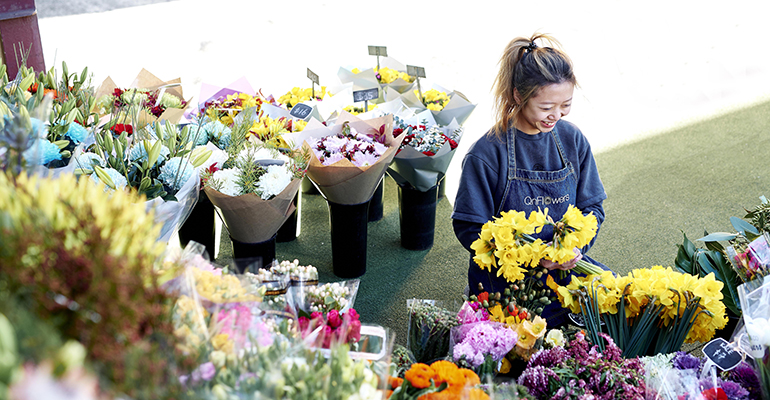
649	311
506	242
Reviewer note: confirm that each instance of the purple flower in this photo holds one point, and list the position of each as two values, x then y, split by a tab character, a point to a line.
734	391
683	360
207	371
538	380
746	376
548	358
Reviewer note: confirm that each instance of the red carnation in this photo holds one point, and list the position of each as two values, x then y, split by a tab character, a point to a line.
118	129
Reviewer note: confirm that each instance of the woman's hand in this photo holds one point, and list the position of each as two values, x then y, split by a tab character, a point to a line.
550	265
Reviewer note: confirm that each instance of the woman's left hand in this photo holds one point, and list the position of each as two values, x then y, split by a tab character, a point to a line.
550	265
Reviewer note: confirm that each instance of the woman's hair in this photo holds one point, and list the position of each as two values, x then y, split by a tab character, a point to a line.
527	67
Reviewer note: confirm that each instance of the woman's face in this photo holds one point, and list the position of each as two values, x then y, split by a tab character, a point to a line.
549	104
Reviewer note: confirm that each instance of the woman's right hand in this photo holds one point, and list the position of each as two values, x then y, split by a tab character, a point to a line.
550	265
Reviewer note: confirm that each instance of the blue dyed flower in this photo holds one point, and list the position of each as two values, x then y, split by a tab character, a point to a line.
201	132
76	132
219	133
118	180
168	172
38	128
86	162
138	153
42	152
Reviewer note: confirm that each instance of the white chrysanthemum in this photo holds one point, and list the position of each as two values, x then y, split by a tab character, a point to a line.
273	182
228	181
251	154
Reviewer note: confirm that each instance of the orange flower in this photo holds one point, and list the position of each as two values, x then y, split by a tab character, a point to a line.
442	395
470	377
420	375
477	394
394	382
443	369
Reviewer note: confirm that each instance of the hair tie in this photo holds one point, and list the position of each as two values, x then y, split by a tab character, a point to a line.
531	46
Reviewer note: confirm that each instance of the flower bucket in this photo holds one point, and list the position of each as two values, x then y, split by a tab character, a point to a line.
375	204
288	231
253	256
199	226
308	187
417	216
349	223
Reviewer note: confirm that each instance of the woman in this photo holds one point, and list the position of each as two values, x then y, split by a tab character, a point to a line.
531	159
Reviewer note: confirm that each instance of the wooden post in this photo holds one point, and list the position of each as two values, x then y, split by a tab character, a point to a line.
20	35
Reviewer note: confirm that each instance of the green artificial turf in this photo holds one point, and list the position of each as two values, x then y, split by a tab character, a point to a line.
691	179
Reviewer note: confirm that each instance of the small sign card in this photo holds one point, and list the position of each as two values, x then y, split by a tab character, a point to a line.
722	353
300	111
312	76
366	94
418	72
378	51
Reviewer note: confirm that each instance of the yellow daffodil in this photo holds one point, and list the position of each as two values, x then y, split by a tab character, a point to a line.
529	332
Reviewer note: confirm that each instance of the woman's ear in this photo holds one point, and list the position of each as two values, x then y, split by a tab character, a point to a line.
516	96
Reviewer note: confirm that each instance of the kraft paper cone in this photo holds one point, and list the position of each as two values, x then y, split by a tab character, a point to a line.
345	183
248	218
146	80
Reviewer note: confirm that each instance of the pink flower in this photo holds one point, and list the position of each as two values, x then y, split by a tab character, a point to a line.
354	332
333	318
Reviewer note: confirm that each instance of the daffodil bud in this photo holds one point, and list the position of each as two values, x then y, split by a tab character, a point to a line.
543	300
485	304
507	292
497	296
524	298
481	287
539	310
539	275
473	298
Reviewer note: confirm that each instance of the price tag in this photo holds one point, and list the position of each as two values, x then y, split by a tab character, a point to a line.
378	51
300	111
312	76
721	353
366	94
418	72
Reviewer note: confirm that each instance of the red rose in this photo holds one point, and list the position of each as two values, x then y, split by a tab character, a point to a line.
117	129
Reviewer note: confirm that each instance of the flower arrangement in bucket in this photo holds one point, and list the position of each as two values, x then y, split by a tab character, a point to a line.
348	161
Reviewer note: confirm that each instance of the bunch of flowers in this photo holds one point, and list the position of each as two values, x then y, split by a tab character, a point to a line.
430	326
130	101
680	376
433	99
260	170
331	327
427	139
440	380
296	272
225	108
648	306
82	260
361	150
482	345
506	242
387	75
359	109
580	370
329	296
297	95
219	286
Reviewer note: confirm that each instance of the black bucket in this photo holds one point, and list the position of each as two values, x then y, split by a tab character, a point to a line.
199	226
253	256
288	230
375	204
417	215
349	224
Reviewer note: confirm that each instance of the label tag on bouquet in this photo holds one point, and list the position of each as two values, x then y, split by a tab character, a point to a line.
300	111
722	353
366	95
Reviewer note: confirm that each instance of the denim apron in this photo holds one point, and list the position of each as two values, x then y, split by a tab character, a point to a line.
529	191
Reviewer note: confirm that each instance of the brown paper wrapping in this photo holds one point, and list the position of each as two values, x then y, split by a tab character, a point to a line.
248	218
146	80
345	183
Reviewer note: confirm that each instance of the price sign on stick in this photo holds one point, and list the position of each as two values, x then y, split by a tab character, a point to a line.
314	81
722	353
417	72
378	51
300	111
366	95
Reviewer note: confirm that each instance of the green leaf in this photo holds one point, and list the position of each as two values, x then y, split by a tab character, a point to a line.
61	143
684	256
743	226
152	153
718	236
